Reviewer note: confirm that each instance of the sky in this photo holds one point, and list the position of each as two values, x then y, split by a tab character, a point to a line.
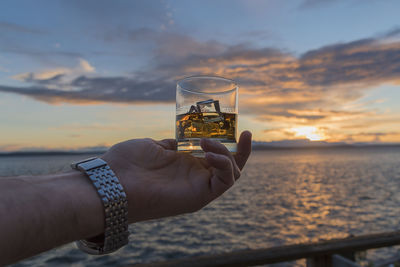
83	74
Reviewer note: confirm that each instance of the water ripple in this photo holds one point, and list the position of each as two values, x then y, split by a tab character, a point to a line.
283	197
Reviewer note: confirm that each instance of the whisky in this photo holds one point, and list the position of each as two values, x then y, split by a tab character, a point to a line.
206	125
192	126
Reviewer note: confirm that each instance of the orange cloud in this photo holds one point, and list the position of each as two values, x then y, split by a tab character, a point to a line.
319	87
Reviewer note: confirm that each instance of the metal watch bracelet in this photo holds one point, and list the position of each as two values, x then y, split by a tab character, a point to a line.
115	205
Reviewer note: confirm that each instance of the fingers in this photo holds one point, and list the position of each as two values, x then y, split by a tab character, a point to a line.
169	144
209	145
243	149
222	178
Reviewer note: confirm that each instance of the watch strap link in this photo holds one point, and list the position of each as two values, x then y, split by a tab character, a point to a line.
115	204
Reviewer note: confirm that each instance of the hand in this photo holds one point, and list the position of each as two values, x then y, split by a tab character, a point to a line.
161	182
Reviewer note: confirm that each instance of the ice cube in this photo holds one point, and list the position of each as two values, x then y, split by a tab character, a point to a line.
209	105
193	109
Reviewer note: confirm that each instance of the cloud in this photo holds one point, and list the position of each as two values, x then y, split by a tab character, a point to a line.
164	46
100	90
364	62
372	136
57	78
316	87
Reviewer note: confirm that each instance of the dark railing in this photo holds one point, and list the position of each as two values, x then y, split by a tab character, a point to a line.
317	254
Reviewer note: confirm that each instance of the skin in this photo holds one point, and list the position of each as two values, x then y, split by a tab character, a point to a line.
40	213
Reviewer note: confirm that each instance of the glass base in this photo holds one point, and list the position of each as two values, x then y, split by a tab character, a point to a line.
193	147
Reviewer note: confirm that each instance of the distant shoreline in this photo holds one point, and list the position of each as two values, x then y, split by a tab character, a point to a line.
48	153
257	147
266	147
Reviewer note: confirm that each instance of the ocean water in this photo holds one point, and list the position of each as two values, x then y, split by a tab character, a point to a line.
283	197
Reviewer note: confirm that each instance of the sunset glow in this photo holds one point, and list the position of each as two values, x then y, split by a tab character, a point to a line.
310	132
109	74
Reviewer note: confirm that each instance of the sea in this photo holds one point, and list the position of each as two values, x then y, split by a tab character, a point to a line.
285	196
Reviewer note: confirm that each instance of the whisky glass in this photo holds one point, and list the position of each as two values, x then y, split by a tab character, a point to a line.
206	107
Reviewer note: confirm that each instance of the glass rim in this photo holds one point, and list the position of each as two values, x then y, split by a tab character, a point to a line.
211	77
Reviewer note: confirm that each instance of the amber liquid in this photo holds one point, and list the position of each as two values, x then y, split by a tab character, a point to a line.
190	127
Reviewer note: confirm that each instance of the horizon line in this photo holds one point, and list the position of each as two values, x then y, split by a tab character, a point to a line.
256	145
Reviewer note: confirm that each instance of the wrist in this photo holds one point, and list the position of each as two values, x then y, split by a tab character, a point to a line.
143	202
89	215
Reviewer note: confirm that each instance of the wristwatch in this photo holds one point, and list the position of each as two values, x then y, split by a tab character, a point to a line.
115	204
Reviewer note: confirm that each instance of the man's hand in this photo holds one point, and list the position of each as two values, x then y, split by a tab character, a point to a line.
42	212
161	182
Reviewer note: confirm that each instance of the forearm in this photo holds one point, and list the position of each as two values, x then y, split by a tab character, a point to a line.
39	213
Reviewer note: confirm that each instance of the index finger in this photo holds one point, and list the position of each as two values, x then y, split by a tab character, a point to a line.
243	149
